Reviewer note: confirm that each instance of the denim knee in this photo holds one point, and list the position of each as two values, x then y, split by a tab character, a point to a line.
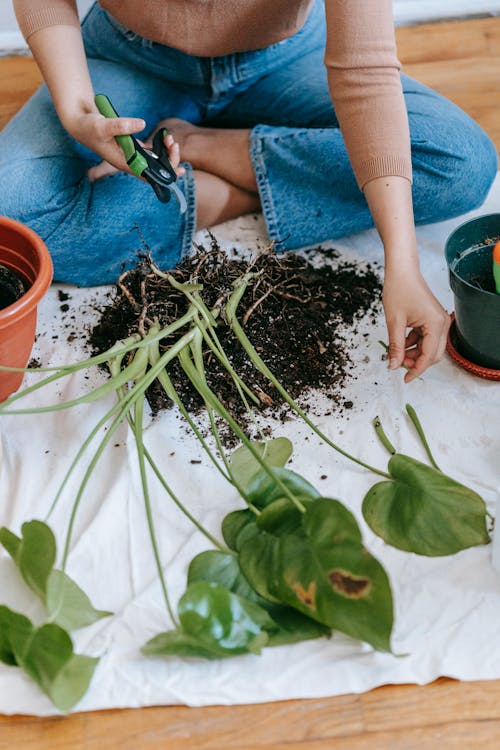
453	175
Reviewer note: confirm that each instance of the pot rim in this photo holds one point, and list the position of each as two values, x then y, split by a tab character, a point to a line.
32	297
452	236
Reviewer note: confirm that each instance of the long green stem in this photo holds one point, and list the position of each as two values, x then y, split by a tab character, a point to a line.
138	416
167	385
209	397
262	367
382	436
134	342
420	430
200	383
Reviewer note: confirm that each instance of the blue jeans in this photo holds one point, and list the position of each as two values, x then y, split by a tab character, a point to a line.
306	184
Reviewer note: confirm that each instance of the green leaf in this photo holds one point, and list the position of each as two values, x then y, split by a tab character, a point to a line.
262	490
281	517
288	625
16	632
34	554
327	574
46	655
293	626
260	564
233	523
274	452
68	605
215	616
10	542
178	643
422	510
50	661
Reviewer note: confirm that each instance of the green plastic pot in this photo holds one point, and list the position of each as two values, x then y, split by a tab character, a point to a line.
22	252
469	252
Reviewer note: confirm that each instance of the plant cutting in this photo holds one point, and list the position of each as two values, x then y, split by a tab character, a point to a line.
25	275
292	564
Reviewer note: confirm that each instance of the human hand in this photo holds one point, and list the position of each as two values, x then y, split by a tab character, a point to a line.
107	167
409	303
97	133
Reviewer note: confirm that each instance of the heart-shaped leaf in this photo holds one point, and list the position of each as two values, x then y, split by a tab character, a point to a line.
68	605
424	511
263	490
34	554
289	626
215	616
274	452
46	655
50	661
328	574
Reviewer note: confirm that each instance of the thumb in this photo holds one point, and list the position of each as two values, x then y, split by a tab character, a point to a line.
397	338
123	126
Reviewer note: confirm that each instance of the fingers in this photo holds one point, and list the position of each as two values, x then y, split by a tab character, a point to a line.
174	154
429	348
396	329
113	126
101	170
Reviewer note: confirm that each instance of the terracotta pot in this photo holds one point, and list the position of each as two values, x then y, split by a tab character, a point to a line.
23	252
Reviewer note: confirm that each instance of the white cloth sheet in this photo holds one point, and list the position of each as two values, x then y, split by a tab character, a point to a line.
447	609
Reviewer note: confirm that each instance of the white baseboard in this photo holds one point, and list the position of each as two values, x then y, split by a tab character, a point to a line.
12	43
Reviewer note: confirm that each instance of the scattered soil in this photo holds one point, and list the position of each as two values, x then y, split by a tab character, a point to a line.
294	313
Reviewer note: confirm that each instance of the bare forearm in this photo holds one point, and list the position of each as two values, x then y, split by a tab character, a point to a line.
390	202
59	53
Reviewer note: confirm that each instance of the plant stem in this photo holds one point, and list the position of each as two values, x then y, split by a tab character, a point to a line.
382	436
120	348
408	369
418	426
137	422
262	367
209	397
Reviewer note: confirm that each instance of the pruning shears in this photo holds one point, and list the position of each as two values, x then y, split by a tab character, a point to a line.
151	164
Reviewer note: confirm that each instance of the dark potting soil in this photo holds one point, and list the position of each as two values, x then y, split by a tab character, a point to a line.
294	313
11	287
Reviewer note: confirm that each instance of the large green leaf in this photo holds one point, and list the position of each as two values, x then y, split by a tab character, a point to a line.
289	626
46	655
422	510
68	605
263	490
178	643
328	574
216	616
34	554
316	563
50	661
274	452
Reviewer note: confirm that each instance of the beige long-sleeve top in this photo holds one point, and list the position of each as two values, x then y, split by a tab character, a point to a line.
361	58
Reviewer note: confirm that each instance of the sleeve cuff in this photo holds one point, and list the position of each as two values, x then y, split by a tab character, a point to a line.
41	19
384	166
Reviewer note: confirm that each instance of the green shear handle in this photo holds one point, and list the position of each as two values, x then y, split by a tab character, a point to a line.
152	165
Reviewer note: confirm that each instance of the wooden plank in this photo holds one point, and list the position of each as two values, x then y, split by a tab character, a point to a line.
19	78
454	40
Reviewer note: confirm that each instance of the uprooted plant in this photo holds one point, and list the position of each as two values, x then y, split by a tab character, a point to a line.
292	565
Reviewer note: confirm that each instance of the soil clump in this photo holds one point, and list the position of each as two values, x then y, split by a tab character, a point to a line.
294	313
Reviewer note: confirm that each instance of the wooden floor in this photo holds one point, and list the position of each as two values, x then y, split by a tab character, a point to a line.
462	61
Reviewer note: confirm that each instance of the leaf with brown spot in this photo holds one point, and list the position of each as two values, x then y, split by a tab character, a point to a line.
354	587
